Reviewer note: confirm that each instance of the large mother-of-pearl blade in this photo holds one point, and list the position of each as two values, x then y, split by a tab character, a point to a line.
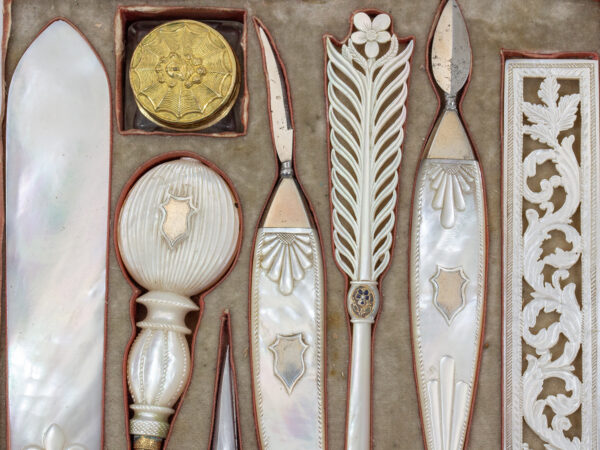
57	185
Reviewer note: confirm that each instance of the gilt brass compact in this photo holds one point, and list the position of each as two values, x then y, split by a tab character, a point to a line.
184	75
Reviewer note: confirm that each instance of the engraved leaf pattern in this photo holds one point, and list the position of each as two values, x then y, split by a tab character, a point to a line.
554	296
366	114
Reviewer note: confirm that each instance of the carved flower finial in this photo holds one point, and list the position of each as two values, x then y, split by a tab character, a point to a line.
371	33
55	439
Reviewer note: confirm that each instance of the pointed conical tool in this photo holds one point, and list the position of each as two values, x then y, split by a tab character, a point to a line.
225	434
448	250
287	302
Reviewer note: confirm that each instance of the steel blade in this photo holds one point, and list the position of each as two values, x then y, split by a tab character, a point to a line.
451	50
58	142
279	102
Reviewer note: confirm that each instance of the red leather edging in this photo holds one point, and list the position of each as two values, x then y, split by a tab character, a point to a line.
401	40
225	339
6	5
137	290
505	55
313	217
476	153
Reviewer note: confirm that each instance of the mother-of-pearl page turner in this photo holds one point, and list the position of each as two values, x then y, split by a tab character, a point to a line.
287	309
448	252
58	147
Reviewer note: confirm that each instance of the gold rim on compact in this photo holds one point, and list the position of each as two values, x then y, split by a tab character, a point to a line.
184	75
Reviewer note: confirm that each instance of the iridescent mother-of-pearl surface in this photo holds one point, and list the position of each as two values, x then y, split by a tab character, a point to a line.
57	185
447	304
288	342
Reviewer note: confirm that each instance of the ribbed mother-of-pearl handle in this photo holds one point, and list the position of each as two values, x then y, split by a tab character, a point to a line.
159	362
177	234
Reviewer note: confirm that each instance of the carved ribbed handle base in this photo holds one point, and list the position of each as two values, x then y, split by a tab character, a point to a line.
159	364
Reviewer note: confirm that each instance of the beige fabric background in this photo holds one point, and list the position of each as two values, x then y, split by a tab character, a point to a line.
298	26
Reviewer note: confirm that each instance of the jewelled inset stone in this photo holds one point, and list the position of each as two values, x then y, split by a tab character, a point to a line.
363	301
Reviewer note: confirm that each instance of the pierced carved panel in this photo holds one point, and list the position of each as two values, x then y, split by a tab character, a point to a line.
550	196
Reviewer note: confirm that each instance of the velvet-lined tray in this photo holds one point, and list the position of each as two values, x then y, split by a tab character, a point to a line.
298	27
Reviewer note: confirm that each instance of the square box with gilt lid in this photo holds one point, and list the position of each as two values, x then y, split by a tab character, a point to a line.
181	70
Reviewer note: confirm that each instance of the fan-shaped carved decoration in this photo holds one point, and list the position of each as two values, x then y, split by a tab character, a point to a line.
451	182
285	257
54	439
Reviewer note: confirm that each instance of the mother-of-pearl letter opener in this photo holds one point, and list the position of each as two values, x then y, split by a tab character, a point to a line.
367	86
58	146
177	234
551	202
287	308
448	251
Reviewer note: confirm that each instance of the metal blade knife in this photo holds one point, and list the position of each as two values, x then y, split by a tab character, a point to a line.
58	149
287	309
448	250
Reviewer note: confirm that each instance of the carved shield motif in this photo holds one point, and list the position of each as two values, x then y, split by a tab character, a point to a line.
288	351
176	215
449	286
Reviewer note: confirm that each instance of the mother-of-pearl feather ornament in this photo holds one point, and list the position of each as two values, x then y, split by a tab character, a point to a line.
177	233
366	91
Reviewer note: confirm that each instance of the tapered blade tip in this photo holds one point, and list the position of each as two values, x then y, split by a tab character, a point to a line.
451	50
280	109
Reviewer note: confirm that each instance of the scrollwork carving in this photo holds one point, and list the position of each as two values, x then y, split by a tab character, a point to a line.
545	122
